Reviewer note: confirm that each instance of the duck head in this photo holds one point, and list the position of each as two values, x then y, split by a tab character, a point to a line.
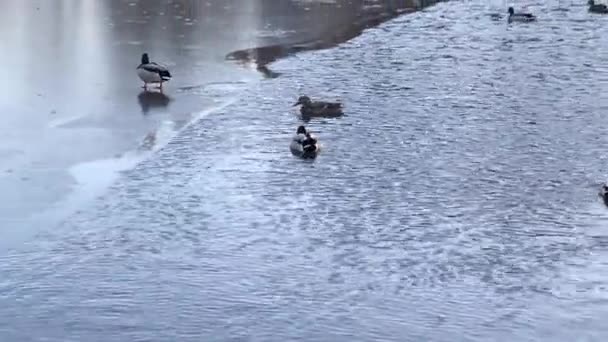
301	130
145	59
511	11
591	3
303	100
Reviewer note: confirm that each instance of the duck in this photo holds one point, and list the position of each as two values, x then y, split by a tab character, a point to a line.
318	108
521	17
304	145
599	8
604	194
150	72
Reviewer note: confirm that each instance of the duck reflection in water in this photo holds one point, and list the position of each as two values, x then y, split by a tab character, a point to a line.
149	100
267	72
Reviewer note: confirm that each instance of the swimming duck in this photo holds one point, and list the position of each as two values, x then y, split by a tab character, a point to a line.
152	72
303	144
318	108
604	194
521	17
599	8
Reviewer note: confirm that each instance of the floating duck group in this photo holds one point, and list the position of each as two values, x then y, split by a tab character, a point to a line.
303	143
528	17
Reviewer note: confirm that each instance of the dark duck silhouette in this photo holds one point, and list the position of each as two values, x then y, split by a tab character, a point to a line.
318	108
303	144
521	17
151	72
597	8
604	194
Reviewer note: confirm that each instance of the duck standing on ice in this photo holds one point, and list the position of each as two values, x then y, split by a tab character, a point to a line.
151	72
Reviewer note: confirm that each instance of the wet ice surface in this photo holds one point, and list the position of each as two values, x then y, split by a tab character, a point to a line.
73	110
456	200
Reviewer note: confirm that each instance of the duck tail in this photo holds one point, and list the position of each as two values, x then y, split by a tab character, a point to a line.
165	74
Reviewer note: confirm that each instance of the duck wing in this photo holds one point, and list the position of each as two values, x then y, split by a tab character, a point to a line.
525	15
326	105
156	68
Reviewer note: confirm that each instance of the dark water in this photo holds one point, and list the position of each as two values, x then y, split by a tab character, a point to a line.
456	201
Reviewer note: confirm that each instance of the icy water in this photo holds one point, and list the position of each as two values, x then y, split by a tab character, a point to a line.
73	110
456	201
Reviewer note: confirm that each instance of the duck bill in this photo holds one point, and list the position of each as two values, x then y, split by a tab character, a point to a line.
297	103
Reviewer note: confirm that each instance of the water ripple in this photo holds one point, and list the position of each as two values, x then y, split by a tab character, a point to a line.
455	198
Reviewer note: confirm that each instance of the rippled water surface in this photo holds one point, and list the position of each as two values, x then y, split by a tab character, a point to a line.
456	201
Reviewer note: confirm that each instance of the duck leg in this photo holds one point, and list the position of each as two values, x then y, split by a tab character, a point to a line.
145	86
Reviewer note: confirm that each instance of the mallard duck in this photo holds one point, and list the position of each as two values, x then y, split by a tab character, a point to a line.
599	8
152	72
303	144
604	194
521	17
318	108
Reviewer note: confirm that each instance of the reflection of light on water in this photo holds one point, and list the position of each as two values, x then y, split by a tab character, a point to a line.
274	33
14	19
250	23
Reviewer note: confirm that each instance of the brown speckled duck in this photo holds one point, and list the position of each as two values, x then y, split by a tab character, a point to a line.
318	108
